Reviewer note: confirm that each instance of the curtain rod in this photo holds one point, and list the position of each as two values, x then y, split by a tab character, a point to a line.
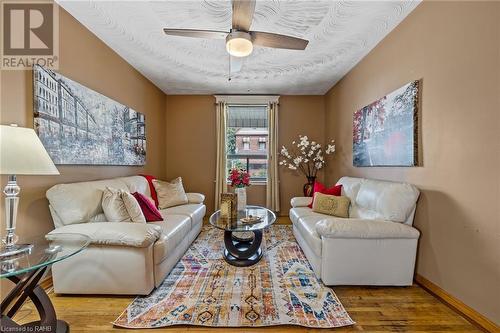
245	95
243	104
250	99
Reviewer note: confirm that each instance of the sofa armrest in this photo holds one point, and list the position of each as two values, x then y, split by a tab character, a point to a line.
360	228
300	201
111	233
195	198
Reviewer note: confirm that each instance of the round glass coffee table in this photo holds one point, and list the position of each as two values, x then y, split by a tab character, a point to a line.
243	251
26	270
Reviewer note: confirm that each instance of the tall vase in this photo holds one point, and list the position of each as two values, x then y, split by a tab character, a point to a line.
309	186
241	193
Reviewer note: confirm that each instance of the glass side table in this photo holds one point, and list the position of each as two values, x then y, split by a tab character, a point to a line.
25	271
239	251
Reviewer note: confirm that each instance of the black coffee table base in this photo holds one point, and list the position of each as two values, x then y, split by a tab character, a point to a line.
242	252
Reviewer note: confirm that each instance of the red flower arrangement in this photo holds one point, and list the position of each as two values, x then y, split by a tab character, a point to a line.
239	178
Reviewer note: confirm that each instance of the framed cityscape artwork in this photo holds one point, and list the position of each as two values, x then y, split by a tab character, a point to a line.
78	125
385	132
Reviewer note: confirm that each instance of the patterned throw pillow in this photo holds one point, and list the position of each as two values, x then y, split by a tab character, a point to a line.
170	193
331	205
321	188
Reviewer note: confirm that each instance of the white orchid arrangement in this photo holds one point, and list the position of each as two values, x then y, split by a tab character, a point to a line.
306	156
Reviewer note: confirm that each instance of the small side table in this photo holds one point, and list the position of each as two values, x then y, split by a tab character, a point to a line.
25	271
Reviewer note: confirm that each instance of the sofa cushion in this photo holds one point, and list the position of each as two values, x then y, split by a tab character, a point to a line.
360	228
174	229
350	187
379	199
298	212
196	212
385	200
307	227
112	233
136	184
79	202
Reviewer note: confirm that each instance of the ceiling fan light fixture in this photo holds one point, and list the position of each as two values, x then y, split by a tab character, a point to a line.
239	44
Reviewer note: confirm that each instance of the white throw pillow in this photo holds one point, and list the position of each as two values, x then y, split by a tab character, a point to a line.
98	218
119	207
113	206
170	193
133	208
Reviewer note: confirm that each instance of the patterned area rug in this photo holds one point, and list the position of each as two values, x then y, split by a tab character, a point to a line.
204	290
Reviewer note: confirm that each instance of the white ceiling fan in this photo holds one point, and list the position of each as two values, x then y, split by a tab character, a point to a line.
240	40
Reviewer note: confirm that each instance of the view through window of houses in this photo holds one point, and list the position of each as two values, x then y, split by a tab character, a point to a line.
247	139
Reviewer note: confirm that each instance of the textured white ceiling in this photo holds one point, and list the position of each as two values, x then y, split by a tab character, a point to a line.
341	33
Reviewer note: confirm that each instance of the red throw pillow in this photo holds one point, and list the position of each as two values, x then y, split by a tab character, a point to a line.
318	187
152	189
151	213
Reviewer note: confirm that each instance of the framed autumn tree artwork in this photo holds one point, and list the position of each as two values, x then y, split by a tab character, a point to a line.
385	131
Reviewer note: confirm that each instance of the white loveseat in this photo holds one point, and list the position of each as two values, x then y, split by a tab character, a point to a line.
124	257
376	245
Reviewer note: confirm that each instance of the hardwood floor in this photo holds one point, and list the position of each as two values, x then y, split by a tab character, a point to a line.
375	309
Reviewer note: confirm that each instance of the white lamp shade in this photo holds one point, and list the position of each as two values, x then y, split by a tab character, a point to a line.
22	153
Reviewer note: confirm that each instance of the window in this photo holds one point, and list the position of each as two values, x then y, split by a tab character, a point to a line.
246	143
246	138
262	143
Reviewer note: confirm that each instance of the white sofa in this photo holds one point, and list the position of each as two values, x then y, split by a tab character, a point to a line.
376	245
123	258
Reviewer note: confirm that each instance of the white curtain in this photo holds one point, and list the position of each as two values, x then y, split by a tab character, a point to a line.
220	168
273	190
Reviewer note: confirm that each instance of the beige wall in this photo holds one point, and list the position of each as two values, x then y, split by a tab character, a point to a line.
85	59
454	49
191	147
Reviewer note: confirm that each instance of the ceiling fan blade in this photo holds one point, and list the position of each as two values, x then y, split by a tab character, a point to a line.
236	63
212	34
243	14
278	41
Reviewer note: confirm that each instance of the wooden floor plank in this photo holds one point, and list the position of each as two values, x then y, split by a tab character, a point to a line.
375	309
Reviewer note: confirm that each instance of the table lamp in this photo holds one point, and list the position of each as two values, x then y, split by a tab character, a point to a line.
21	153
